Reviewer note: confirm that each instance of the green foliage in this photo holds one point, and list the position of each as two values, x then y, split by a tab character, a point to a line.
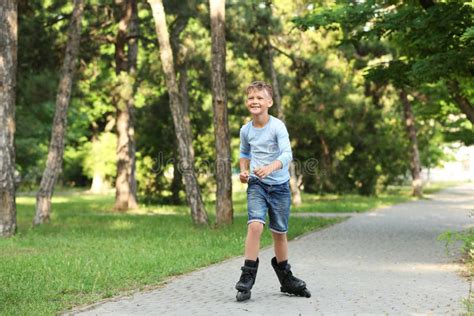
99	156
431	43
36	89
428	45
146	178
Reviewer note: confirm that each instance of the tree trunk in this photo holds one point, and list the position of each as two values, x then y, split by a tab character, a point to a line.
132	63
125	185
276	86
182	127
224	208
180	56
99	185
415	165
294	181
462	102
176	184
326	165
56	147
8	64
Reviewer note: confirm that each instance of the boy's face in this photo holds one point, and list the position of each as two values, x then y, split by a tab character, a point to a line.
258	101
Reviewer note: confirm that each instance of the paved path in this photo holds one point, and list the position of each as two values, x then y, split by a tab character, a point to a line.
387	261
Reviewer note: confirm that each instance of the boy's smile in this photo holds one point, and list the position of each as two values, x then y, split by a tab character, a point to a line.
258	102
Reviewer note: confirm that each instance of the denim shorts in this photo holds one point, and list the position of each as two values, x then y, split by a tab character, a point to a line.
276	199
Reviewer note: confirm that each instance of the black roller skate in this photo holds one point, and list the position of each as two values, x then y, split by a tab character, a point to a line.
289	283
247	279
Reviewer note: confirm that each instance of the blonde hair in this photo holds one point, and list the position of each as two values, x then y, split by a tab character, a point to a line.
259	86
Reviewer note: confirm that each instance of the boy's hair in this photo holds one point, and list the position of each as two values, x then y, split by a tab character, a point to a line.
260	85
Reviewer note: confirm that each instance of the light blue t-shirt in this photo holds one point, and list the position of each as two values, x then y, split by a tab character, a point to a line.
265	145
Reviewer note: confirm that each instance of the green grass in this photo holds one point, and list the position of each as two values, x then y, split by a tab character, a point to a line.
466	239
88	252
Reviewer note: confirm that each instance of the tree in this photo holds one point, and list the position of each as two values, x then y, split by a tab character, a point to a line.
224	209
126	68
415	164
56	147
182	127
8	63
434	40
409	31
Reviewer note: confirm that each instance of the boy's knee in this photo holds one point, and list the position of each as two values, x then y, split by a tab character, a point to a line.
279	237
255	228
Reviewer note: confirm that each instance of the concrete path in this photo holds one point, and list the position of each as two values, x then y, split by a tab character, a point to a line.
383	262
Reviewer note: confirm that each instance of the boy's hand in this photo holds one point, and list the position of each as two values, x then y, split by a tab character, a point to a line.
264	171
244	176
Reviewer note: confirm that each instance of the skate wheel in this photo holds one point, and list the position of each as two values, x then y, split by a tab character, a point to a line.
242	296
306	293
303	292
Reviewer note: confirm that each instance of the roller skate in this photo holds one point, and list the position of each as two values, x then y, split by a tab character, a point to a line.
289	283
247	279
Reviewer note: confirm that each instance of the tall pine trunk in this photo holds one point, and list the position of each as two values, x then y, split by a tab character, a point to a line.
295	181
224	209
180	57
8	64
132	60
125	68
415	165
56	146
182	127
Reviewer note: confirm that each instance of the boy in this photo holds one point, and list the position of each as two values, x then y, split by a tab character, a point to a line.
265	154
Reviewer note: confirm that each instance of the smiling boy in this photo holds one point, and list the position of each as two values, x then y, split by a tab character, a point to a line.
265	154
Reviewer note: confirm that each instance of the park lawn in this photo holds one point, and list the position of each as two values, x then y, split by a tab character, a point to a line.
88	253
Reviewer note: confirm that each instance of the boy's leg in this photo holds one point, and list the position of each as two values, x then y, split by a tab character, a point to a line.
250	268
252	243
257	210
280	244
279	212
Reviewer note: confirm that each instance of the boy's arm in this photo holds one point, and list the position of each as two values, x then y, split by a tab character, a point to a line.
244	170
283	140
244	164
244	160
